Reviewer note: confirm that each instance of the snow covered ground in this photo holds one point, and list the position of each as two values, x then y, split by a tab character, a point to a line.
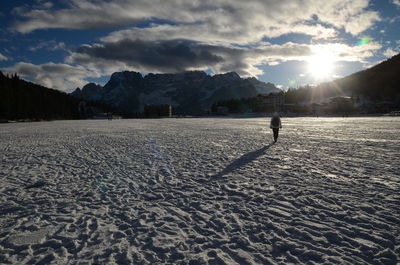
200	191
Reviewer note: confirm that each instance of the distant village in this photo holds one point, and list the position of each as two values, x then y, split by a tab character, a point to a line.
337	105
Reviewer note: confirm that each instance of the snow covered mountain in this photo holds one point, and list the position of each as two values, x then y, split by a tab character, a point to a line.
189	92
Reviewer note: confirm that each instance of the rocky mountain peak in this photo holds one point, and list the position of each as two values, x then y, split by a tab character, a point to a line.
189	92
76	93
125	75
126	80
262	87
227	76
91	86
91	91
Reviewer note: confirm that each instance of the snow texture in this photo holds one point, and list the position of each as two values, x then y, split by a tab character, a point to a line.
200	191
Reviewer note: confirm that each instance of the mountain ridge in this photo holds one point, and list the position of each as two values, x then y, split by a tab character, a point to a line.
379	82
191	92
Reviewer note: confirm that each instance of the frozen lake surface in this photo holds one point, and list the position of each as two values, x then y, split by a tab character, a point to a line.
200	191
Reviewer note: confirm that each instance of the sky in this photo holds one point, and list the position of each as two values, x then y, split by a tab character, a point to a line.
65	44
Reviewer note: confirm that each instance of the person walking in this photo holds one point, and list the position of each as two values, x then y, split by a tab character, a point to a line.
275	125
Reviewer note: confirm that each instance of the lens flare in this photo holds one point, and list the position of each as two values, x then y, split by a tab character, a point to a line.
364	41
292	83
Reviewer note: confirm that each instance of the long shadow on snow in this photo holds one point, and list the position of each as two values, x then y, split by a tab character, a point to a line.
243	160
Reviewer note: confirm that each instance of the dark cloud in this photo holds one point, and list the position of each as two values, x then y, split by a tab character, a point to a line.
170	56
181	55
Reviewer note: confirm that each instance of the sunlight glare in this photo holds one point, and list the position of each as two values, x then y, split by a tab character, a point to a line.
321	63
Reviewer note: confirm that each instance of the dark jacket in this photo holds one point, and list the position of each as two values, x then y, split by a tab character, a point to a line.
275	122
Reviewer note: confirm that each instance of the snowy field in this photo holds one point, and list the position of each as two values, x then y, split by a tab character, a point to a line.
200	191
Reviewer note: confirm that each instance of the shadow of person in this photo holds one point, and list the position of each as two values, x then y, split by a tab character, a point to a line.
242	161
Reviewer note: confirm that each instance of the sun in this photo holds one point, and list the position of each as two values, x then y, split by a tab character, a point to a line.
321	64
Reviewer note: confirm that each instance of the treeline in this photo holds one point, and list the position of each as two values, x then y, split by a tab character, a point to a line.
309	93
241	105
380	82
328	98
22	100
156	111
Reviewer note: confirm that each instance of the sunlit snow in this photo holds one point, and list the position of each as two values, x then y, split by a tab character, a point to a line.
206	190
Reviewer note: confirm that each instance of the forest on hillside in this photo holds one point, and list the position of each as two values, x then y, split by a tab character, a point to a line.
22	100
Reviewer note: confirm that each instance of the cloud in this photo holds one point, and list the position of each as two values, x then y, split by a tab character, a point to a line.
58	46
344	52
234	20
396	2
178	35
181	55
85	14
63	77
389	52
3	58
49	46
352	16
203	33
102	59
44	4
